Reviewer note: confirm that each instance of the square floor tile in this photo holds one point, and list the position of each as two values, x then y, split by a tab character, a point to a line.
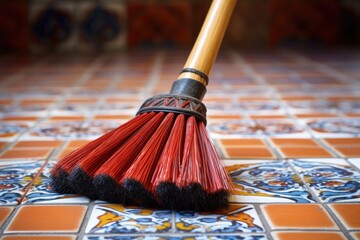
26	154
294	142
37	144
308	235
238	218
115	218
333	180
349	214
304	152
47	218
343	141
266	181
355	235
297	216
38	237
241	142
348	151
248	152
181	237
41	192
4	213
16	176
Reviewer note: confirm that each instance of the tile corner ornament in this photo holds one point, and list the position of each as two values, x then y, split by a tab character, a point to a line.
114	218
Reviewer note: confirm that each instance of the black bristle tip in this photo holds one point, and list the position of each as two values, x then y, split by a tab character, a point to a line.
59	182
217	200
139	194
82	183
191	198
168	194
108	189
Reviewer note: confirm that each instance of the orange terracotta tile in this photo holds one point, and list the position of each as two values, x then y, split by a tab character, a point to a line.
299	152
38	237
113	117
297	216
248	152
67	118
316	115
38	144
3	144
352	115
64	152
217	99
45	101
26	154
343	141
6	101
343	98
223	116
268	116
249	99
77	143
352	151
356	235
122	99
241	142
348	214
308	236
81	100
294	142
43	218
4	213
20	118
297	98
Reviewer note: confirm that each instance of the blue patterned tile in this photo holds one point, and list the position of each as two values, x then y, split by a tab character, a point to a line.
333	180
236	219
115	218
41	192
15	178
178	237
266	181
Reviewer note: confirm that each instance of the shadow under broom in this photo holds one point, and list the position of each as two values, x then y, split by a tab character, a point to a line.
163	157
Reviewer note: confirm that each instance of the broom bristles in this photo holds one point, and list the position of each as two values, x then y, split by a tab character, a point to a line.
107	180
82	175
138	183
60	172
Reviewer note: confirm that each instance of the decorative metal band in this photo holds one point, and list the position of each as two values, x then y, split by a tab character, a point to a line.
200	73
176	104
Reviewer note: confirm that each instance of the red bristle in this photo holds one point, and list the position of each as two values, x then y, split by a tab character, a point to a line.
68	162
143	167
216	177
167	171
190	172
122	159
91	163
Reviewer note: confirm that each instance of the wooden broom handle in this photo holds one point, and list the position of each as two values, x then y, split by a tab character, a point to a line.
204	52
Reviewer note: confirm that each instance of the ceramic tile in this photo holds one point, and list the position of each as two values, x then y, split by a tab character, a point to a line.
291	216
257	128
4	213
37	144
353	151
47	218
348	214
293	235
11	130
337	127
248	152
25	154
41	192
241	142
38	237
238	218
16	176
304	152
266	181
355	235
179	237
115	218
333	180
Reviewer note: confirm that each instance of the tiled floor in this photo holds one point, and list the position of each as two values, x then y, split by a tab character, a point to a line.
286	124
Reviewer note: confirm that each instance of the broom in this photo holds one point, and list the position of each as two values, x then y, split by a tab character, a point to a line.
163	157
